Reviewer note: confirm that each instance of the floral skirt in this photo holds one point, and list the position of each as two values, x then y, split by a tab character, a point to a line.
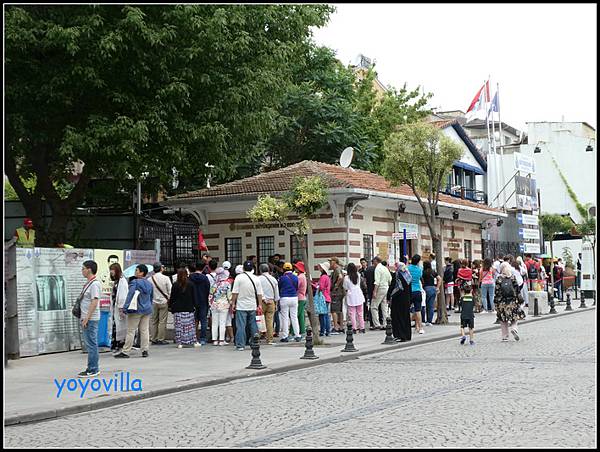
184	328
509	312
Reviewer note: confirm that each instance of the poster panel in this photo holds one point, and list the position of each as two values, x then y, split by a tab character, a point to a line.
49	280
147	257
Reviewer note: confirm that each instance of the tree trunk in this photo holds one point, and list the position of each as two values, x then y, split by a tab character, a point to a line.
442	315
310	305
57	232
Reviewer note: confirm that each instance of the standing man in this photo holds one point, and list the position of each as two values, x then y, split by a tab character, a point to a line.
138	318
90	316
26	235
383	278
270	289
302	290
370	280
202	289
161	293
579	271
246	300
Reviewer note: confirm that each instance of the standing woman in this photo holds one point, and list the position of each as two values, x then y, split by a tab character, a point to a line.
220	300
355	298
431	284
476	267
487	278
325	289
416	297
118	297
401	305
182	304
508	301
456	289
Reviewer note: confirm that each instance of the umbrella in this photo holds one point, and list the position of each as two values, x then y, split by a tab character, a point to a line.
130	271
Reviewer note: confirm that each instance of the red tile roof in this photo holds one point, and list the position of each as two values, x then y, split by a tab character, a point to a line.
334	176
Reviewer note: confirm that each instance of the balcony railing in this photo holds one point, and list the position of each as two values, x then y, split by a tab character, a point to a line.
469	194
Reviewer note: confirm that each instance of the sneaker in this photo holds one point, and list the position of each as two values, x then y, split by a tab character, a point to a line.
270	343
321	335
224	343
462	340
216	343
515	334
363	331
284	339
179	346
202	341
144	354
162	343
197	344
428	324
240	349
121	355
327	334
421	331
87	374
298	338
471	342
334	333
504	339
353	331
154	342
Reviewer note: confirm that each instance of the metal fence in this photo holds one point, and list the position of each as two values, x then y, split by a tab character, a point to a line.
178	240
492	248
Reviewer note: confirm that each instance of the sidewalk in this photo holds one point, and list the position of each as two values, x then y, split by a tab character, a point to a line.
31	393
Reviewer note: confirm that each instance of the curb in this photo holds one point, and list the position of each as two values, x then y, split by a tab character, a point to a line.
45	415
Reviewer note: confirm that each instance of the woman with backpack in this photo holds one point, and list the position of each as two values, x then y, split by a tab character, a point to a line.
220	300
508	301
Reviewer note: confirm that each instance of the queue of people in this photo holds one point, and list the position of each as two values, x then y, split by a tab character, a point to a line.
213	303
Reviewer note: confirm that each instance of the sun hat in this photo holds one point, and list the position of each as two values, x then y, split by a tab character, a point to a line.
300	266
287	266
325	266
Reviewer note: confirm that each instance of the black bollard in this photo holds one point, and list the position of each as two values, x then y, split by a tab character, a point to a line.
582	294
308	351
349	340
256	363
536	309
552	310
389	337
568	308
594	297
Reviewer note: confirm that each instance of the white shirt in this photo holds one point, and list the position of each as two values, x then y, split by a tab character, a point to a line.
518	276
165	285
354	294
269	286
243	286
383	277
212	278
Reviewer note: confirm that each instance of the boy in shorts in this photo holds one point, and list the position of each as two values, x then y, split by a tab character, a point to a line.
467	317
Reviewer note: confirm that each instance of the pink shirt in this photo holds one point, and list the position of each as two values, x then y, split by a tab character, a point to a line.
301	286
325	287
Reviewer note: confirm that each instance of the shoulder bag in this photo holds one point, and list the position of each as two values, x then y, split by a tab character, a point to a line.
76	310
159	289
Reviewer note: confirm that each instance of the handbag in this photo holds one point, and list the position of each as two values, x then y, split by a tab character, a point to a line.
76	310
261	323
320	303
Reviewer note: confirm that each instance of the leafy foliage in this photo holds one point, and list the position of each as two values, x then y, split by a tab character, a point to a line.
553	224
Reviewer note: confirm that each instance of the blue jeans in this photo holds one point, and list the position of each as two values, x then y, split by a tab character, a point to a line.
487	290
202	317
243	318
324	324
430	294
90	337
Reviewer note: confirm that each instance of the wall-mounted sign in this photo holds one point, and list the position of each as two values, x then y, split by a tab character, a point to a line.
532	220
454	245
524	163
412	230
533	234
530	248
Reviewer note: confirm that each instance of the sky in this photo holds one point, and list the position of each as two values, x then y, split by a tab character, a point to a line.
542	56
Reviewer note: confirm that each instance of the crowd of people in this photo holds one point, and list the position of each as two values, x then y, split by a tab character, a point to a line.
218	304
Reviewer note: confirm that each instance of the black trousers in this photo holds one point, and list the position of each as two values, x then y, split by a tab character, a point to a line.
401	315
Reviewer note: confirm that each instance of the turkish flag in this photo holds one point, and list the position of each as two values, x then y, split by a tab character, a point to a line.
201	243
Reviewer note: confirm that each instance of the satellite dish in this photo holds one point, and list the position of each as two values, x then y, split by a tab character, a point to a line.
346	157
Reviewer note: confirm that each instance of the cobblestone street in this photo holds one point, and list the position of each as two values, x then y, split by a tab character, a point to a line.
538	392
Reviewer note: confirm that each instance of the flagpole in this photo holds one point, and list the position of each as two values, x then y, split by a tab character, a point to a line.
496	169
491	168
501	139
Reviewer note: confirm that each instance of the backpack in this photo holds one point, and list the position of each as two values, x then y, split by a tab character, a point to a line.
507	290
532	272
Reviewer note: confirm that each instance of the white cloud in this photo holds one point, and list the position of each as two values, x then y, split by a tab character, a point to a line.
543	56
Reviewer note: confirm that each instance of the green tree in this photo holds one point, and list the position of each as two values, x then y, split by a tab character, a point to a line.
304	199
420	156
131	90
587	229
553	224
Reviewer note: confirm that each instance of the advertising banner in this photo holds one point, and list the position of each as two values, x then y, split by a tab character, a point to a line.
530	220
49	280
533	234
524	163
412	230
147	257
526	193
533	248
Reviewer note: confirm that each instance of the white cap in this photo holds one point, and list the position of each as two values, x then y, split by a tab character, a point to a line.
239	270
325	266
226	265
